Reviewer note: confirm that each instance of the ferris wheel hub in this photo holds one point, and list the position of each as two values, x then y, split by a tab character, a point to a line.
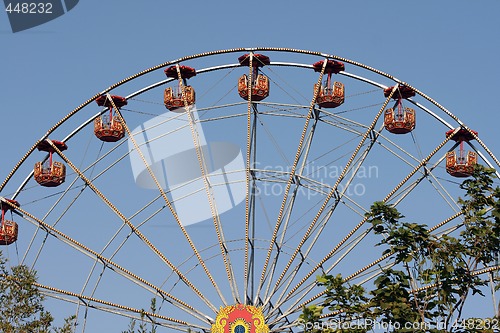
240	318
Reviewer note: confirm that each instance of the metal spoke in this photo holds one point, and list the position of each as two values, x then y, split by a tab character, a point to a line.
132	227
249	140
50	230
292	175
333	191
338	197
305	153
210	196
278	269
87	300
353	231
358	226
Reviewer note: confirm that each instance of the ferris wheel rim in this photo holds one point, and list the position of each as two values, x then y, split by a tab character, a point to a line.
223	52
228	66
235	50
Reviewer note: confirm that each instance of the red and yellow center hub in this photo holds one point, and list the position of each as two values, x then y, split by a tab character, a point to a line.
240	318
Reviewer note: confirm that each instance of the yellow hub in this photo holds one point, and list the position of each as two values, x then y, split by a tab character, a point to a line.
240	318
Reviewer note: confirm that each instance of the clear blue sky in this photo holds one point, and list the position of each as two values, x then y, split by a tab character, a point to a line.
448	49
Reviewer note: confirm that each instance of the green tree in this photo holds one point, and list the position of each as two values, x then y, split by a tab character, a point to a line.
21	303
431	276
143	325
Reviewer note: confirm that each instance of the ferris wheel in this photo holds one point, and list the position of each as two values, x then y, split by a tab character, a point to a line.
221	184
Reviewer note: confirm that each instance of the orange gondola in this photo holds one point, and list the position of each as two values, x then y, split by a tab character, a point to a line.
109	128
259	86
177	98
399	119
50	173
8	229
461	164
330	94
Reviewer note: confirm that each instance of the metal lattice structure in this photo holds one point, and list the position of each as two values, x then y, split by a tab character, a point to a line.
295	191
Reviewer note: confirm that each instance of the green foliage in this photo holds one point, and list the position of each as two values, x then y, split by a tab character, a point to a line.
482	228
351	300
143	323
21	304
391	301
406	240
69	325
431	276
311	314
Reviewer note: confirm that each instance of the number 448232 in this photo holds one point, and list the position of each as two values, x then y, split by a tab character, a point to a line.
29	8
